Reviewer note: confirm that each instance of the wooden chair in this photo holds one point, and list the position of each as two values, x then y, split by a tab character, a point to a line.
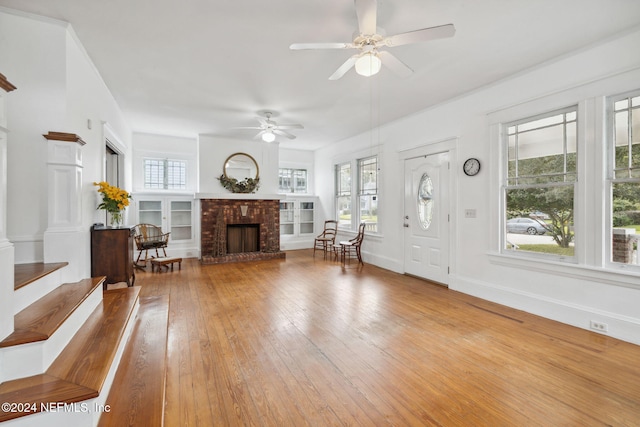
149	237
327	238
351	248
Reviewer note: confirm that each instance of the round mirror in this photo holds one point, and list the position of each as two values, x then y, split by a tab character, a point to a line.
241	166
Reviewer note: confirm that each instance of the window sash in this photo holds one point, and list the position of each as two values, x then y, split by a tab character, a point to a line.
624	179
625	136
165	174
343	179
542	149
368	175
540	177
292	180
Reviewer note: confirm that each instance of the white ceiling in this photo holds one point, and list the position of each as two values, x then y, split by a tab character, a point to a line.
194	67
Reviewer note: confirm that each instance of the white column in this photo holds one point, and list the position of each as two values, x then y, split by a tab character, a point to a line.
65	240
6	247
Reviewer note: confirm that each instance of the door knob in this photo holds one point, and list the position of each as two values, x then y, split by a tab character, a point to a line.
406	217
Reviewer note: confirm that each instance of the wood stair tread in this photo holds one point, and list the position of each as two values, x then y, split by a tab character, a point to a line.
80	370
40	390
88	356
40	320
23	274
137	393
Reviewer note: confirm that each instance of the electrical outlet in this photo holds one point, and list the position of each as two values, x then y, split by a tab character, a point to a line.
469	213
599	326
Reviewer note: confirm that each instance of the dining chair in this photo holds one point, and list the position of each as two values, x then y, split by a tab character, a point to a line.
327	238
351	248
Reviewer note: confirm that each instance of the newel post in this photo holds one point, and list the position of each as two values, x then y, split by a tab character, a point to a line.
65	240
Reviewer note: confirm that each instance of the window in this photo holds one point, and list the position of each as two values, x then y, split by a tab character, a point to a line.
425	201
165	174
368	191
357	198
292	180
343	194
624	176
539	186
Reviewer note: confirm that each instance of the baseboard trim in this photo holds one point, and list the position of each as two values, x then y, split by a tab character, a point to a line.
621	327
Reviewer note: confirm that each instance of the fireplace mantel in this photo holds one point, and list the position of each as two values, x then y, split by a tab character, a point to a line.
239	196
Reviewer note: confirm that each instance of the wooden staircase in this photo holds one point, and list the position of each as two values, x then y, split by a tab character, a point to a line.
58	365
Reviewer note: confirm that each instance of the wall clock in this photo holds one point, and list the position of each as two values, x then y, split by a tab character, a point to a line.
471	167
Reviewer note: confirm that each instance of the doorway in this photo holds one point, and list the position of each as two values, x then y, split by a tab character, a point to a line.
426	217
111	165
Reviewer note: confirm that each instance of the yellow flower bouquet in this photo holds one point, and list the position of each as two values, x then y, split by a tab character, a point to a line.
114	201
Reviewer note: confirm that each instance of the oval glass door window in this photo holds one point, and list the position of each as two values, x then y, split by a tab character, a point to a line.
425	201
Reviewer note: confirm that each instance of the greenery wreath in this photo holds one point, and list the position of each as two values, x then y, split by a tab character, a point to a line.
247	185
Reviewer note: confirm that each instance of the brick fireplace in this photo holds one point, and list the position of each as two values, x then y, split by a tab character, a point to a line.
218	216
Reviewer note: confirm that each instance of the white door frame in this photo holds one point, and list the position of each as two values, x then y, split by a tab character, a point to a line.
446	145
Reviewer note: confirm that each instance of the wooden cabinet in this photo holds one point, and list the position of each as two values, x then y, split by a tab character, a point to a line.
112	254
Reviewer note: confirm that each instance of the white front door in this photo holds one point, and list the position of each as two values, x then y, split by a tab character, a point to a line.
426	221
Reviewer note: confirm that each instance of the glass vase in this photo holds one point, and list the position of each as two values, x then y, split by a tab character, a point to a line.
116	219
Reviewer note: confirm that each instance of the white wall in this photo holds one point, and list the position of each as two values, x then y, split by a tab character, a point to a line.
299	159
32	56
164	147
572	295
59	90
214	151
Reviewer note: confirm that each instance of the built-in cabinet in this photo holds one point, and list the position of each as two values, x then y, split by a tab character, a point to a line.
297	222
174	214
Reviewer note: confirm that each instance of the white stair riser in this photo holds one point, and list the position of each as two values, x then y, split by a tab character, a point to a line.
86	413
35	358
32	292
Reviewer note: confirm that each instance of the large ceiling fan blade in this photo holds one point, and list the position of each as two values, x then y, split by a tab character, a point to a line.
303	46
394	64
348	64
247	127
290	127
367	11
283	133
422	35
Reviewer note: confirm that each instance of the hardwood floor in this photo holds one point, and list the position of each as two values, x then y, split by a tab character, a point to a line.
304	341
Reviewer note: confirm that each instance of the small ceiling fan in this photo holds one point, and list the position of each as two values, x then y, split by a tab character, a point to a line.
269	128
368	40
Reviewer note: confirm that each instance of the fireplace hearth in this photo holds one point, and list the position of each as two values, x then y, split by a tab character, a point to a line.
238	230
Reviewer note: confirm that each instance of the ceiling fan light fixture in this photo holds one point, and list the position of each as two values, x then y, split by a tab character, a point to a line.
268	137
368	64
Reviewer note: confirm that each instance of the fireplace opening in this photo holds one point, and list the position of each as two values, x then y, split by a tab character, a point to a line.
243	238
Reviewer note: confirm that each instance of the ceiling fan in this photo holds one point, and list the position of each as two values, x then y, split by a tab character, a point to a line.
368	40
269	128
